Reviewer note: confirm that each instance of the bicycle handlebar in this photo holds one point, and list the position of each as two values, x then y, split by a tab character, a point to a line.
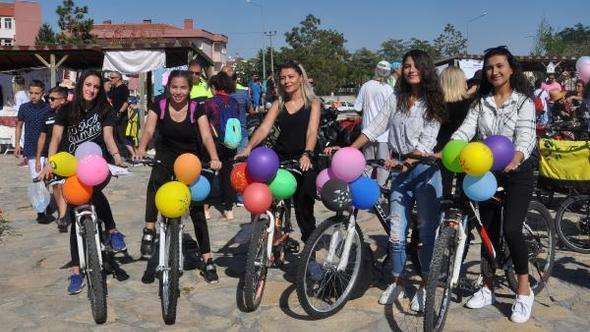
427	160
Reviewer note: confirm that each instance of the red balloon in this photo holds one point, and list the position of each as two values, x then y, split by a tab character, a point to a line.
257	198
239	177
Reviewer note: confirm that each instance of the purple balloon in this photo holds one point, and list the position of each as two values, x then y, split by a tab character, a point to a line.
263	164
324	176
502	149
87	149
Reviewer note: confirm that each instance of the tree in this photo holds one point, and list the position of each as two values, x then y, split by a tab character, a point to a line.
361	66
393	49
571	41
424	45
75	27
45	36
450	42
320	51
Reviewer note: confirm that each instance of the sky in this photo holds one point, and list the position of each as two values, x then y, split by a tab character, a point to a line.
365	23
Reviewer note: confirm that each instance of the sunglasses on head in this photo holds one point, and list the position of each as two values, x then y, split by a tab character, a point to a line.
54	98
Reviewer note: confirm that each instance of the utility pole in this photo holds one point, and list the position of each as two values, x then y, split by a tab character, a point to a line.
271	34
483	13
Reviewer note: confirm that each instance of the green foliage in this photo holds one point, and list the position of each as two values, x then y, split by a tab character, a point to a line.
361	66
75	27
572	41
45	36
450	42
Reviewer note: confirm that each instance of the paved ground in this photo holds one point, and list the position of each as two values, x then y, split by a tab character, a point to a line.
33	281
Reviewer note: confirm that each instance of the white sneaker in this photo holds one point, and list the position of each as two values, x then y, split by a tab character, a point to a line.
419	300
392	293
483	297
522	308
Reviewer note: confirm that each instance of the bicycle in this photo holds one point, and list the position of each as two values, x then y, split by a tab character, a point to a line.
451	246
170	257
331	260
572	222
268	246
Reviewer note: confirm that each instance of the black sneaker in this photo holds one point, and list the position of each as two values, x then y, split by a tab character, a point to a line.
62	225
44	219
210	273
147	243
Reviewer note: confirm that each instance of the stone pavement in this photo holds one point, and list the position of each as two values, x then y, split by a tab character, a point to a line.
33	281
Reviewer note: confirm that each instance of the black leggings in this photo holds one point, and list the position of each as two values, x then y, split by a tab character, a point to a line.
303	201
227	195
103	212
160	175
518	187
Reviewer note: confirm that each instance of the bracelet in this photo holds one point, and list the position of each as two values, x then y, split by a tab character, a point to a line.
307	153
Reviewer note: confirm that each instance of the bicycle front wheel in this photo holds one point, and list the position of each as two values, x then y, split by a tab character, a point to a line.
322	288
97	284
539	235
573	223
256	265
170	275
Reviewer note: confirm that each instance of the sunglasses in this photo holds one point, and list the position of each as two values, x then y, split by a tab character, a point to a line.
54	98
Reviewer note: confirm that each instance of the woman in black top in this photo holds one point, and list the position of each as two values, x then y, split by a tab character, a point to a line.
454	86
88	118
182	128
297	113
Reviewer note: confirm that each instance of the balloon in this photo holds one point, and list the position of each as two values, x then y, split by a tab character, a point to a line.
476	159
257	198
502	150
263	164
283	185
92	170
323	177
86	149
450	155
75	192
63	164
173	199
480	188
583	68
239	177
187	168
200	189
365	192
348	164
336	195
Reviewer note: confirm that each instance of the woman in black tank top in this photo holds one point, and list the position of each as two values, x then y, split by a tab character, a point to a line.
182	128
297	115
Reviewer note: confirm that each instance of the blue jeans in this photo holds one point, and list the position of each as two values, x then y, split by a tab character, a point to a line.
421	185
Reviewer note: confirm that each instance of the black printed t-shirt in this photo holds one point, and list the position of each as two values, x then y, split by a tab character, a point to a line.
47	128
88	129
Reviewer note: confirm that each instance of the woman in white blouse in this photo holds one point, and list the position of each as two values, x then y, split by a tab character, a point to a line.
504	106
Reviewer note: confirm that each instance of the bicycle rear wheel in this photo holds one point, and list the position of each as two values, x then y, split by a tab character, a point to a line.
322	289
170	275
438	287
254	278
97	284
573	223
539	236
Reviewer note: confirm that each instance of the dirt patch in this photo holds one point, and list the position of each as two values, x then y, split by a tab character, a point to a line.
3	224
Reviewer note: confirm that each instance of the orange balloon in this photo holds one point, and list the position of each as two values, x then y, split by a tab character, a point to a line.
75	192
187	168
239	177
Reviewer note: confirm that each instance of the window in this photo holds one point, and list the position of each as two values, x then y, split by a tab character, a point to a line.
6	42
8	23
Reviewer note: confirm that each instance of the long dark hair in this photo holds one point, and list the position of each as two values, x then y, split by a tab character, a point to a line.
430	88
518	81
175	74
79	105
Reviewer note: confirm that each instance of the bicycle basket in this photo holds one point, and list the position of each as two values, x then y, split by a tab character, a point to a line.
564	165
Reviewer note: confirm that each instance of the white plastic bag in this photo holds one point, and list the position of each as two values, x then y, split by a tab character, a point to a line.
38	196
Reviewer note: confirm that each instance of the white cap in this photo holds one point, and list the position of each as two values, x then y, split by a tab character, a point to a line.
383	69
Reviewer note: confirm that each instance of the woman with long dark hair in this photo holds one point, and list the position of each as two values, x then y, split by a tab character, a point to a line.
504	106
297	114
88	118
413	115
182	128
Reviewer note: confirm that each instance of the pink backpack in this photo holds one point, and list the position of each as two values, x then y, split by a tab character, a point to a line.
192	108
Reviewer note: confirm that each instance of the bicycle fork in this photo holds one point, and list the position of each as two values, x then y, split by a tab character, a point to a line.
163	264
271	235
334	241
87	211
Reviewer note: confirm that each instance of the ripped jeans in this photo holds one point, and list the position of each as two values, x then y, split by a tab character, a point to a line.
421	185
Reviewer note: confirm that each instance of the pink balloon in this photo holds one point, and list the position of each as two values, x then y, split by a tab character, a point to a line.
323	177
348	164
92	170
584	74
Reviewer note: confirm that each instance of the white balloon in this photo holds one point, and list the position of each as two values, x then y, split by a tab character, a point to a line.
582	62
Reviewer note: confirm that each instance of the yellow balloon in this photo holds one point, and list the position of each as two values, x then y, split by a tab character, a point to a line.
63	164
476	159
173	199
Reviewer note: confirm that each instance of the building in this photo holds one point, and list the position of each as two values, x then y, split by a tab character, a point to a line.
19	22
212	44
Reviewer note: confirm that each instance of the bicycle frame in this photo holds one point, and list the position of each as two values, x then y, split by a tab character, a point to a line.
162	227
347	242
79	213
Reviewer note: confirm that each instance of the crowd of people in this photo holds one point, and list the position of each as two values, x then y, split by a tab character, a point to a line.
407	109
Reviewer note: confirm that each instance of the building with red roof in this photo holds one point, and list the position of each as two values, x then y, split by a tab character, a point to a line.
19	22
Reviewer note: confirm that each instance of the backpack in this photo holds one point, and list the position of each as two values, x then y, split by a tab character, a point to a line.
226	124
192	108
538	102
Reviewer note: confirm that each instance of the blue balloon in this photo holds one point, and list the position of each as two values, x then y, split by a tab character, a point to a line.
365	192
200	189
480	188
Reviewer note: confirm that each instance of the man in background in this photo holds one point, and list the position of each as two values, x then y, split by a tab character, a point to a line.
200	88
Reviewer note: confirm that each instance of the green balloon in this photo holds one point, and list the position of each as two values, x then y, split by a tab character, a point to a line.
450	155
283	185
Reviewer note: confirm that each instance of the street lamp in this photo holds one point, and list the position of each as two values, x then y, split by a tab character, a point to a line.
256	4
483	13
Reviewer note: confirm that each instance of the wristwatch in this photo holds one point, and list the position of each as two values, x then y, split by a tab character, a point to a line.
308	153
